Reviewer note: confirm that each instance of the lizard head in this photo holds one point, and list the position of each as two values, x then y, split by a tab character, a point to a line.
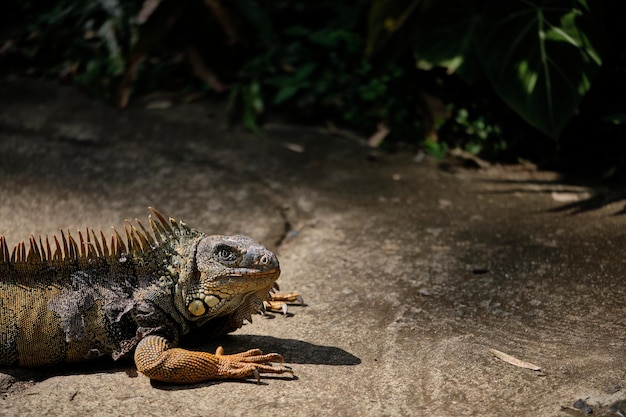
232	274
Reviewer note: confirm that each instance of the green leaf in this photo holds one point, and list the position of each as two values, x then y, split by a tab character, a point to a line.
440	33
539	56
295	82
285	93
539	59
304	71
448	38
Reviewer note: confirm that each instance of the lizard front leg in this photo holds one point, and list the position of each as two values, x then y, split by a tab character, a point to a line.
157	360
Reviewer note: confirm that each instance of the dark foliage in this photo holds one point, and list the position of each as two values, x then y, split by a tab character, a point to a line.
541	80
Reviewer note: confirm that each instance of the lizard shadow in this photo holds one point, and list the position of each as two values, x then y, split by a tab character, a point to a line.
294	352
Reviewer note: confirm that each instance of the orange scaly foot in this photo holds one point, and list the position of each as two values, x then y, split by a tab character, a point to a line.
155	359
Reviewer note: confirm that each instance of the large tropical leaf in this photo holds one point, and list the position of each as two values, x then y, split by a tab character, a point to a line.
538	58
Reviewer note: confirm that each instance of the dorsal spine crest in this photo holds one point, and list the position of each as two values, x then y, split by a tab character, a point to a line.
136	241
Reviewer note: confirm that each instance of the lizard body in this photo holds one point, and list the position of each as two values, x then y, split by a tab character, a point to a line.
71	301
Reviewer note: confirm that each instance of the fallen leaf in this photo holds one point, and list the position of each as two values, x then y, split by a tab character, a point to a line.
159	105
469	157
514	361
563	197
294	147
443	203
377	137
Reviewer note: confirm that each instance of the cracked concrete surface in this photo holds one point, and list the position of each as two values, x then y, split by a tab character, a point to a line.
411	272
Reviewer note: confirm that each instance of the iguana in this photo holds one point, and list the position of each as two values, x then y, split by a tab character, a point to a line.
68	300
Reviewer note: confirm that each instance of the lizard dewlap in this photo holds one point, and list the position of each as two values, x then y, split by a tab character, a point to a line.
69	300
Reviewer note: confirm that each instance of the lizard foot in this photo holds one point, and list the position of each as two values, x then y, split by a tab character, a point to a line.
250	363
155	359
279	302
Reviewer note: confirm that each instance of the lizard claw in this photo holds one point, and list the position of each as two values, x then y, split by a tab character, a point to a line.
274	307
291	298
279	302
250	364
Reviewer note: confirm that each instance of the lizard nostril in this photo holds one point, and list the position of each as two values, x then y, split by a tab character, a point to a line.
265	259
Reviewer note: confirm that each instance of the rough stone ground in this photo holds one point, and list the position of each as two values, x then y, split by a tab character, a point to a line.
411	272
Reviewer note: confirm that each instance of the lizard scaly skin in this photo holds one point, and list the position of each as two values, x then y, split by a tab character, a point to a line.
70	301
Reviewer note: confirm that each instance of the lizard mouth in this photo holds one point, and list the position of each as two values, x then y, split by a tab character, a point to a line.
252	278
248	272
236	284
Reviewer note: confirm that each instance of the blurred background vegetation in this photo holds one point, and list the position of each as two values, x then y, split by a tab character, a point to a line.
543	81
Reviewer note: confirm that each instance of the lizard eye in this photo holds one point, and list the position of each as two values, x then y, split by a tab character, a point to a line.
225	254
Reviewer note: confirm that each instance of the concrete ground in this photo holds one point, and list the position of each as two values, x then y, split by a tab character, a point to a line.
412	271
